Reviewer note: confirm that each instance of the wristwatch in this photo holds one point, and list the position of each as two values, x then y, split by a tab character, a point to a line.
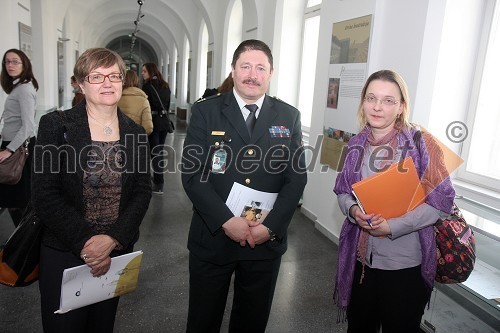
272	235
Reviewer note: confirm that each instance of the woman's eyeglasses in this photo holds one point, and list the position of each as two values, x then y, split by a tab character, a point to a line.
99	78
12	62
387	101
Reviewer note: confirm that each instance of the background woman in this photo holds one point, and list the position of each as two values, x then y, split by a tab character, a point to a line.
91	189
19	125
134	102
155	86
386	271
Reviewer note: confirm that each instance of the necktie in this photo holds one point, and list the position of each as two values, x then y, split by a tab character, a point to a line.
251	119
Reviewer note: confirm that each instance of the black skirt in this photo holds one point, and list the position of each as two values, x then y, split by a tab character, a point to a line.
18	195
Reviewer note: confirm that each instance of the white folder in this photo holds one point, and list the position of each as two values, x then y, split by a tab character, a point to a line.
79	288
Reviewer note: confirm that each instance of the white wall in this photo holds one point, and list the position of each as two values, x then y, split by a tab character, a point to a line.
45	37
459	48
287	50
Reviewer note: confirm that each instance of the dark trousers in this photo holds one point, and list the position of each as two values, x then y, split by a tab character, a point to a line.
99	317
394	300
254	283
156	144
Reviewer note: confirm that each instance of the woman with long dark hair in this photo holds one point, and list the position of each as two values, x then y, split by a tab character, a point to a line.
158	92
20	84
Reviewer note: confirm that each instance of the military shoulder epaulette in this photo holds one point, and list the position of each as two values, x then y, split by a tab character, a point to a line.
280	100
207	98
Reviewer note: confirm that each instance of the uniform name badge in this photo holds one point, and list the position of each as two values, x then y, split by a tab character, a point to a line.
219	161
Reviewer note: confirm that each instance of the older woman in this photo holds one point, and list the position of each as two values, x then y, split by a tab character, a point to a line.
19	125
386	268
91	189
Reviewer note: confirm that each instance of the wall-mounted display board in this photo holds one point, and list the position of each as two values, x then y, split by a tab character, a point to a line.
347	74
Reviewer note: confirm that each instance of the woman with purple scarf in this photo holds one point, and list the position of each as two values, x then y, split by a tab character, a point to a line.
386	270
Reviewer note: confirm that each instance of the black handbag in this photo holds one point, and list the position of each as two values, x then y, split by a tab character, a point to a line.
11	169
20	255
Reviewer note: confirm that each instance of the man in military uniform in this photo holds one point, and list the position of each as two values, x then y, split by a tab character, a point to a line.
257	139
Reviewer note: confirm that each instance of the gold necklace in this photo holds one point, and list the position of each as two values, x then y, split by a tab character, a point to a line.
107	129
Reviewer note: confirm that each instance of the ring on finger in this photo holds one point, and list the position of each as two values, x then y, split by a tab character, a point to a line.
85	256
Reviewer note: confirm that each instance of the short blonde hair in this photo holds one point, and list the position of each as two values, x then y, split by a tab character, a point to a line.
131	79
94	58
402	121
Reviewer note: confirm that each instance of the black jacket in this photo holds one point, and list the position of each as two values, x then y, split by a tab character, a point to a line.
154	102
57	195
265	162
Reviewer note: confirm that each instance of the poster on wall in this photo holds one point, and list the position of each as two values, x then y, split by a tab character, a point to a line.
334	146
346	76
25	39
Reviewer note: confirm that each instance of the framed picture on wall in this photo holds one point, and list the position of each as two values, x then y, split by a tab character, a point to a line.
25	37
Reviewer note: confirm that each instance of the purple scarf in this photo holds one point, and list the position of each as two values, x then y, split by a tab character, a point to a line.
440	198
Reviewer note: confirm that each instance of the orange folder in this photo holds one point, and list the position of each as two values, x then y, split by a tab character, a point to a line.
392	192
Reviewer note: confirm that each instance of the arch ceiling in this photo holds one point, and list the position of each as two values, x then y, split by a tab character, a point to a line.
164	26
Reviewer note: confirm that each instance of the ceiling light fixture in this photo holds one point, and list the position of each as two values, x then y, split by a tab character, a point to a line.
136	30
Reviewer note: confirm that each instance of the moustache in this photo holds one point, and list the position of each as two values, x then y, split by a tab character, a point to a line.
251	81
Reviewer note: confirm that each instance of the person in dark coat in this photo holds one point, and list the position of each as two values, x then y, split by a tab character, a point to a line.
158	92
219	151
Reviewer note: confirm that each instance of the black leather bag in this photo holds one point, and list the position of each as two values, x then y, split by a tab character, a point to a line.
163	123
20	256
11	169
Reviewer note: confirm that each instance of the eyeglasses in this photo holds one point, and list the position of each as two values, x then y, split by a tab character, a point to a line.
99	78
12	62
387	101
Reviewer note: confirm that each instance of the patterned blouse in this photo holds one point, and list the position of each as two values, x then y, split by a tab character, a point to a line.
102	185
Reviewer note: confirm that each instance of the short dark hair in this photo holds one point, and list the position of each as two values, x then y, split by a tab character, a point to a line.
94	58
252	44
25	77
